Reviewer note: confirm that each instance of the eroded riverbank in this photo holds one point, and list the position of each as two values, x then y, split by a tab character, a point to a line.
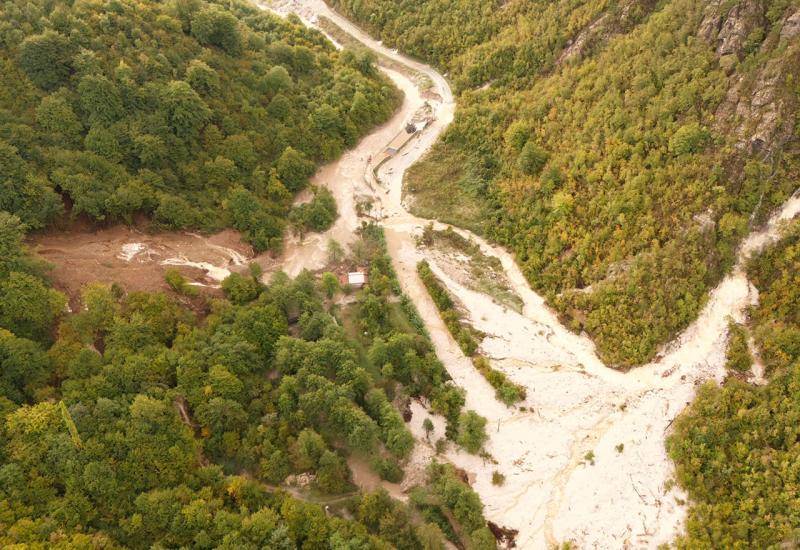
585	459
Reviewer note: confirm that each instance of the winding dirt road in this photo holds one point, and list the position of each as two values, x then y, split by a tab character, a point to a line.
585	459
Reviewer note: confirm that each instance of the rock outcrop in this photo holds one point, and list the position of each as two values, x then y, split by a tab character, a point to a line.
758	110
731	31
605	27
791	26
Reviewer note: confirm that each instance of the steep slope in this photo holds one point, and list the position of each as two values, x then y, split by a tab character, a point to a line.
175	110
480	41
736	446
626	162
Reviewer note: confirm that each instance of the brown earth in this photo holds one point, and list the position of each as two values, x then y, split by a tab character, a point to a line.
135	259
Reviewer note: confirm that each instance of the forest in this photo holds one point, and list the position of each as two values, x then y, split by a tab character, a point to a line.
194	114
736	446
620	149
173	420
182	418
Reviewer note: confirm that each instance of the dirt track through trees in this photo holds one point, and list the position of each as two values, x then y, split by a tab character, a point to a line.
585	461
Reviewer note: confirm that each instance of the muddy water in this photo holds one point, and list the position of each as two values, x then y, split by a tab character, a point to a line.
585	460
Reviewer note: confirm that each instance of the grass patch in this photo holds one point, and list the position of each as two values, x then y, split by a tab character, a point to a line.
486	274
738	356
349	318
498	478
435	187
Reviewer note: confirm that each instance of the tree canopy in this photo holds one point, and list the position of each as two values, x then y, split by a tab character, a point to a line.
171	109
609	145
736	446
134	422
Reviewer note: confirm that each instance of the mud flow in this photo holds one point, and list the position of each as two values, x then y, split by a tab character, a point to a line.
583	455
137	260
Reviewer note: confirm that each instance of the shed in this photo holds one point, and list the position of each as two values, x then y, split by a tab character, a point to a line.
355	279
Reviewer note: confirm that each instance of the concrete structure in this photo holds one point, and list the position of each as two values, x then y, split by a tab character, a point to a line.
356	279
421	119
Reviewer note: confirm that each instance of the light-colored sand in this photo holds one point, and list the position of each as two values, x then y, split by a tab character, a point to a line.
576	405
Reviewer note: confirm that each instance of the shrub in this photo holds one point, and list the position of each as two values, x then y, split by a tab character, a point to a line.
498	478
737	356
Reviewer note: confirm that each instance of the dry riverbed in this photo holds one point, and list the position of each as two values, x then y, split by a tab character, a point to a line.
584	455
585	461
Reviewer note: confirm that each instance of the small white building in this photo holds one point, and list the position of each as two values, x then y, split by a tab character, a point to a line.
353	279
356	279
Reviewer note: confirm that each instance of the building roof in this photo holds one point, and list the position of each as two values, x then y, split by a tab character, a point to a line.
356	278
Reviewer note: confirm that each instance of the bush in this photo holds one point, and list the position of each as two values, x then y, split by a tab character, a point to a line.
498	478
214	26
175	213
531	159
389	469
177	282
239	289
28	308
737	356
317	215
471	432
688	139
46	58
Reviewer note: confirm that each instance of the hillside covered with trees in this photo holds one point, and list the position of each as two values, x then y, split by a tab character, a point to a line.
736	447
198	114
178	419
140	421
620	149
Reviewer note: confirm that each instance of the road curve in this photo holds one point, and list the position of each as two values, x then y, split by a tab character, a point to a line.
576	408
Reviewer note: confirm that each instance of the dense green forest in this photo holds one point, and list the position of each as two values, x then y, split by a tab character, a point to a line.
178	419
736	447
197	114
620	149
141	420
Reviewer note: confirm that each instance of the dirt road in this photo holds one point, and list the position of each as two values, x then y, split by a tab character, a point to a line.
585	460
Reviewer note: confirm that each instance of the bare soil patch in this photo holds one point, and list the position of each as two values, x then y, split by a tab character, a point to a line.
137	260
